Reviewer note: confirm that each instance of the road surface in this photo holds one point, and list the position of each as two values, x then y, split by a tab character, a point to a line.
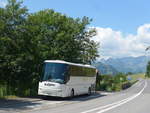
135	99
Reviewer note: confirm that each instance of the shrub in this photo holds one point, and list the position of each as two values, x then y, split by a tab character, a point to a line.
112	83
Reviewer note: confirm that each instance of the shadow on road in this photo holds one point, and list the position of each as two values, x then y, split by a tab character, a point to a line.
9	105
76	98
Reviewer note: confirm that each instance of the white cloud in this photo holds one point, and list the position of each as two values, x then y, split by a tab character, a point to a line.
3	3
115	44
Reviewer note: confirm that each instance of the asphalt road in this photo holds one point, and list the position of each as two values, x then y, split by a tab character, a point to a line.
135	99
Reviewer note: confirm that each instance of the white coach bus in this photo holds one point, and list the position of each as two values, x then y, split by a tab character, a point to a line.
65	79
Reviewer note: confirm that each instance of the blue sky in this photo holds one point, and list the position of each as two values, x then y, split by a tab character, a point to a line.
123	26
122	15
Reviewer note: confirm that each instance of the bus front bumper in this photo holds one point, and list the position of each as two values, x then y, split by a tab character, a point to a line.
45	92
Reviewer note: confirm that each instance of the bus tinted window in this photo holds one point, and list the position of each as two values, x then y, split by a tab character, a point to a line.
82	71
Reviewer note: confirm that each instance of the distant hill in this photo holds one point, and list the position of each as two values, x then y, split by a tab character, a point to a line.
105	69
128	64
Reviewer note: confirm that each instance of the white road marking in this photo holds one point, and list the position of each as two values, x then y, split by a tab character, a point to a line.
116	104
137	83
102	107
140	83
129	99
106	93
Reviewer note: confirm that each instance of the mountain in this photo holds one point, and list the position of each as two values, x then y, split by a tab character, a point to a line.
105	69
128	64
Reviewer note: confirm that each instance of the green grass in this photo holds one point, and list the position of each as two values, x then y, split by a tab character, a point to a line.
138	76
5	93
135	77
9	97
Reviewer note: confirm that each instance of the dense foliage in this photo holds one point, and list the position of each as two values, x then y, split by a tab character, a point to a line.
148	70
112	83
27	39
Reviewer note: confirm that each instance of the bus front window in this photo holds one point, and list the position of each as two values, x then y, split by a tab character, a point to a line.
54	72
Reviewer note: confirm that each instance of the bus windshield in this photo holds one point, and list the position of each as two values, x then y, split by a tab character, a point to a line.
54	72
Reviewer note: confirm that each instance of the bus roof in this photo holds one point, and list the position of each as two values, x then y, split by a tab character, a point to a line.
64	62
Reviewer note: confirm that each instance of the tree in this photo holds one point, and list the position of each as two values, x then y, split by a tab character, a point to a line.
11	19
148	70
26	40
68	38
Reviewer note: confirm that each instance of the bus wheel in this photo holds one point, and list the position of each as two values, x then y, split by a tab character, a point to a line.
89	91
72	93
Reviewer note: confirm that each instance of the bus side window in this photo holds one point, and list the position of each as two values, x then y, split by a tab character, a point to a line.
67	75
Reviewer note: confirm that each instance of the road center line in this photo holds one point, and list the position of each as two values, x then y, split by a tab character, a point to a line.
116	104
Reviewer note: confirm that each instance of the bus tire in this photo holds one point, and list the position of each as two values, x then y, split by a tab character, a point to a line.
72	93
89	91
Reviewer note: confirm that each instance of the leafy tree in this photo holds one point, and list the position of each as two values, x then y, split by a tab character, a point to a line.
62	37
148	70
11	19
26	40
